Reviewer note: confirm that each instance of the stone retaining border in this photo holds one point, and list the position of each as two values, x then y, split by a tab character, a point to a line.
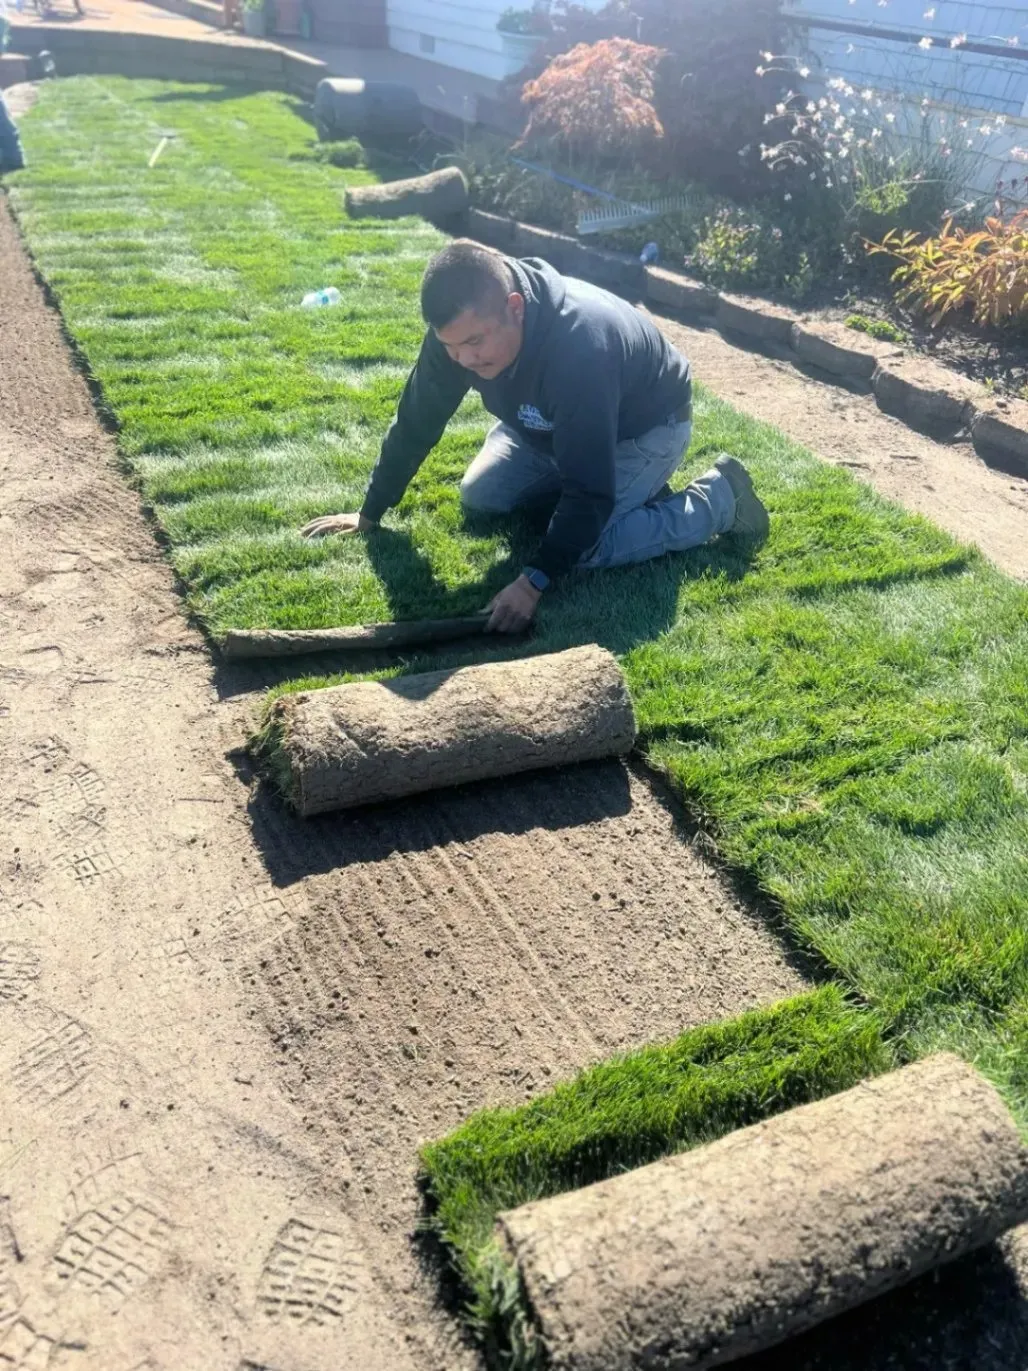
221	58
921	393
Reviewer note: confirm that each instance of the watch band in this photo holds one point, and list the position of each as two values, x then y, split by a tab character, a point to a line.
538	579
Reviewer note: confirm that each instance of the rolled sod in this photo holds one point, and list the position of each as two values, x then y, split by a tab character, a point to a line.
379	740
702	1258
440	195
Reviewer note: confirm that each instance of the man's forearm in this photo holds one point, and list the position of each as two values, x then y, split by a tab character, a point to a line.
576	527
396	467
433	391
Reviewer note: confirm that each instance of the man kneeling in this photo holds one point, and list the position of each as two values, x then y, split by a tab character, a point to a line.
595	411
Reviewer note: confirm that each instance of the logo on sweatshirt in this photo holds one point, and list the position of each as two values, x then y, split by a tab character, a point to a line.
531	418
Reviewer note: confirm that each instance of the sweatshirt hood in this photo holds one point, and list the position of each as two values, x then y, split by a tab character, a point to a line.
545	293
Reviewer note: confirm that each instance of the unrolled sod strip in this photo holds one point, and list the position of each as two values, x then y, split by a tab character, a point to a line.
705	1257
378	740
293	642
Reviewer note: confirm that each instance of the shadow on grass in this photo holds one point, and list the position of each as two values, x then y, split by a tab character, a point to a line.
294	848
217	96
618	609
303	109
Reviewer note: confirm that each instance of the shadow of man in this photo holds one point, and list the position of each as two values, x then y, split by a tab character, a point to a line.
618	608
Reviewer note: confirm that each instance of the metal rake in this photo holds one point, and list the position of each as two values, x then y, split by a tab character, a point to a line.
615	213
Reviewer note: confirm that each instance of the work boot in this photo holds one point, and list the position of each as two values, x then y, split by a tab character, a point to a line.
751	518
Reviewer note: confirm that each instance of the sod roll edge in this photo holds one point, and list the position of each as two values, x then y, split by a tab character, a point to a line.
702	1258
368	741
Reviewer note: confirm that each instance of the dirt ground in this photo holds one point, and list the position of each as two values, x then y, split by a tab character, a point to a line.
947	482
224	1031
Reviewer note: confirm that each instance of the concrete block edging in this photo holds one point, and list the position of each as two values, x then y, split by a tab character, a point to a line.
928	401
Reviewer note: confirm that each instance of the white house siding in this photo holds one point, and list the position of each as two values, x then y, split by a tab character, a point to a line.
456	33
982	86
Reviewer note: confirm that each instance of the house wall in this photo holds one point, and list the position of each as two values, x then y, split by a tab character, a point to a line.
456	33
351	23
989	89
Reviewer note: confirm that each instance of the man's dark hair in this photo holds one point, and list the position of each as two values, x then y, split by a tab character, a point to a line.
465	275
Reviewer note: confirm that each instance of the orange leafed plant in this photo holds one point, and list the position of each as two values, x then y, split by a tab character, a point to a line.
596	100
984	272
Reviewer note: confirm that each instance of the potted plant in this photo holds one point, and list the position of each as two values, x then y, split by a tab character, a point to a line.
254	19
522	30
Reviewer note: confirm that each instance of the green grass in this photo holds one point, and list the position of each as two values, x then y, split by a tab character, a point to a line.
624	1113
846	712
241	414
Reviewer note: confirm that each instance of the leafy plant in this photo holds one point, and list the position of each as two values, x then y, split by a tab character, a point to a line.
738	248
860	163
706	93
984	272
596	101
500	185
876	328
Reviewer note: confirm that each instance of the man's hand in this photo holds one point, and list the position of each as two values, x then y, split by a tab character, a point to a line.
343	524
514	608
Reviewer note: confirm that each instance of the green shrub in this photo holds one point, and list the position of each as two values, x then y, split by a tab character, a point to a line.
500	186
740	249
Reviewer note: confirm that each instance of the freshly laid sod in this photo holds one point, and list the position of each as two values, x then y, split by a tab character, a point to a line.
846	711
241	414
625	1113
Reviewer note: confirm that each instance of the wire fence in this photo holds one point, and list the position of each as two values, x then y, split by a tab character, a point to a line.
958	66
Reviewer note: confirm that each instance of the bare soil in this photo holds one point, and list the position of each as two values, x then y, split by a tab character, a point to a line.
224	1030
947	482
997	356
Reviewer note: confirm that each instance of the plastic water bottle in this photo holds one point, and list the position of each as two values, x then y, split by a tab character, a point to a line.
650	253
317	299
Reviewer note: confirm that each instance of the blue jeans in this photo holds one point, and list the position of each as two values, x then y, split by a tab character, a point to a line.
509	472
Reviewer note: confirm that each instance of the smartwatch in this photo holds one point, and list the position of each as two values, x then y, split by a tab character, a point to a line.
538	579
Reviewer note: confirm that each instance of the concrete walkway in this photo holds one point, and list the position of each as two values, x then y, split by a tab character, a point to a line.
457	95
